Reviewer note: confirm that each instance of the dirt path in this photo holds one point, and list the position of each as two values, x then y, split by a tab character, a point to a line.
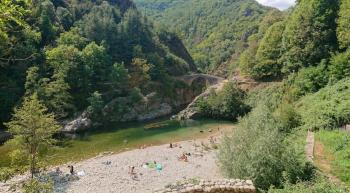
310	143
322	160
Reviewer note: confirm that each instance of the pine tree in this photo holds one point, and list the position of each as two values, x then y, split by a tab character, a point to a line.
32	128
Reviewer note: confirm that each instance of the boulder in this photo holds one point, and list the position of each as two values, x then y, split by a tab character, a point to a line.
161	111
4	136
81	123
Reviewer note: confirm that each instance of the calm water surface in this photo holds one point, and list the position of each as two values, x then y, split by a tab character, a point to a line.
122	137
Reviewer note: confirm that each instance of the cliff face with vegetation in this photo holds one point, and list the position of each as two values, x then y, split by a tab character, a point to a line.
82	55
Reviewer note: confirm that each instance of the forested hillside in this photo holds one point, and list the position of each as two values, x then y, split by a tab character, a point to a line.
307	52
215	31
106	59
79	53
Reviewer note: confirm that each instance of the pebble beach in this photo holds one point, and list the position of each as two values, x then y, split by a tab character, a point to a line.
110	172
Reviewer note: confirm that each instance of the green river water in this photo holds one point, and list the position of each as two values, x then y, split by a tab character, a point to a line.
122	137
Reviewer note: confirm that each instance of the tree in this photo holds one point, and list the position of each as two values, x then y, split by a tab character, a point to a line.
119	77
343	30
101	23
269	53
97	61
96	105
33	128
56	95
65	17
311	25
67	75
46	22
72	38
11	11
32	81
247	58
139	75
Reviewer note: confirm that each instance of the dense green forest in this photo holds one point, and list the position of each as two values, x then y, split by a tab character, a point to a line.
306	50
216	31
67	56
79	54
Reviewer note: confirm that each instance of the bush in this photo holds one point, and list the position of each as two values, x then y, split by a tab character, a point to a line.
319	186
287	117
329	108
340	66
270	96
226	104
257	151
35	186
309	80
6	173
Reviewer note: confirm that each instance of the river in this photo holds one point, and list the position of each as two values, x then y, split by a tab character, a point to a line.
123	137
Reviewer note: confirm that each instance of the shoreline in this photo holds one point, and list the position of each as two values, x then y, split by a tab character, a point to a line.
108	171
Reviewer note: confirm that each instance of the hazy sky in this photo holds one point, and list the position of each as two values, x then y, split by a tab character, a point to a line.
280	4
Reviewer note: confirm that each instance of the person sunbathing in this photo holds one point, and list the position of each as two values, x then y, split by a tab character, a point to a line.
183	157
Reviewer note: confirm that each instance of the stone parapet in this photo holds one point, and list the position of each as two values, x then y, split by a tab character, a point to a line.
211	186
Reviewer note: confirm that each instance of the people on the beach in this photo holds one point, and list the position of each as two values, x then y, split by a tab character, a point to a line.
212	139
58	171
170	145
143	146
183	157
71	169
132	170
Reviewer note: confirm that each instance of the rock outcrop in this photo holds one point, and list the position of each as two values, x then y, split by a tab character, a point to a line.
152	106
4	136
149	107
192	111
212	186
81	123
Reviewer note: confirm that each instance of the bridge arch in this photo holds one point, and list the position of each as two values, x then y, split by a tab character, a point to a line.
200	78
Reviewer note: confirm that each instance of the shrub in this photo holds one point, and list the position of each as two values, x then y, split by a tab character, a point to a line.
309	80
340	66
226	104
35	186
319	186
287	117
270	96
257	150
328	108
6	173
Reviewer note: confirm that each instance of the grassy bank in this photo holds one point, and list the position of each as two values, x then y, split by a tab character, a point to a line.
337	151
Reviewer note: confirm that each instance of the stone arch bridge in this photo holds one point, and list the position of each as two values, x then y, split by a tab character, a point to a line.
200	79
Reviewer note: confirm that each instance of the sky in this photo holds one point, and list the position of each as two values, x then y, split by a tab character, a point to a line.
280	4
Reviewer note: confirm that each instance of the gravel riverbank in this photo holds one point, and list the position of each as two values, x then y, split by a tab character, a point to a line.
110	173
